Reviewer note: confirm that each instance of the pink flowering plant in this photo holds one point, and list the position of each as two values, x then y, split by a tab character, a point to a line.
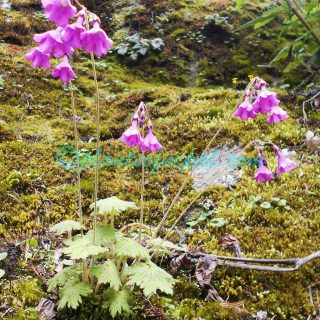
262	101
105	265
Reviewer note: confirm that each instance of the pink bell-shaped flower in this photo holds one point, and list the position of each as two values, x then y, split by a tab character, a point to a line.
59	11
277	114
64	71
50	42
38	58
245	109
132	136
265	100
96	40
284	164
71	34
150	142
263	174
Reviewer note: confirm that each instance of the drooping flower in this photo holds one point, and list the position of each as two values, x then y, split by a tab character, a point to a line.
150	142
284	164
71	34
245	109
38	58
277	114
50	42
263	174
132	136
64	71
266	100
59	11
96	40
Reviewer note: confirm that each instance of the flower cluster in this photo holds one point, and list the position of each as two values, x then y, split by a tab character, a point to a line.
132	136
84	33
284	165
263	101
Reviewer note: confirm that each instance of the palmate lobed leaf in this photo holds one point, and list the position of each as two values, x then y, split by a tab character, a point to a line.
81	248
113	205
63	276
106	273
118	302
150	278
127	247
66	226
71	294
103	234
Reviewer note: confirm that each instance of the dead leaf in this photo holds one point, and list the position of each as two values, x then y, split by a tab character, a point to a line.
205	268
46	309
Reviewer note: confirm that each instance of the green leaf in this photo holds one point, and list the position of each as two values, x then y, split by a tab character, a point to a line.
3	255
118	302
103	234
282	202
81	248
150	278
112	205
127	247
265	18
66	226
71	294
63	276
282	54
265	205
159	243
218	222
106	273
2	273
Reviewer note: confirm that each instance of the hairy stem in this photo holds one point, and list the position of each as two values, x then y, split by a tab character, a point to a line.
142	197
76	138
96	171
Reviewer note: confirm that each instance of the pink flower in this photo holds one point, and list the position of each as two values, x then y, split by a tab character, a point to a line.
277	114
71	34
245	109
50	42
63	71
132	136
263	174
59	11
265	101
284	164
38	58
150	142
96	40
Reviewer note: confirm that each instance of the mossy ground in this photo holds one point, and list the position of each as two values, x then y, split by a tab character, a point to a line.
36	121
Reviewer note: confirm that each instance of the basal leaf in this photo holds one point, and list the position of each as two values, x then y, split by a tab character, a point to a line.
103	234
71	294
150	278
82	248
112	205
118	302
66	226
2	273
127	247
63	276
106	273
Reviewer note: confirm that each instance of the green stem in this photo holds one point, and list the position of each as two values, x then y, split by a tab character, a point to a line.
142	198
96	171
75	132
